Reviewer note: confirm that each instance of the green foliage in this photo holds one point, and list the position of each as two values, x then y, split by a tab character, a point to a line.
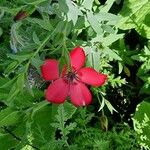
135	14
50	30
9	117
141	124
64	112
143	71
93	138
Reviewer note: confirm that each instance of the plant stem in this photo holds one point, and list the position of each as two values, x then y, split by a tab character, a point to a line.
37	51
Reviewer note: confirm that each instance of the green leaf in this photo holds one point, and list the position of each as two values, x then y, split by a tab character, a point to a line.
94	23
110	107
62	62
120	66
136	14
141	122
13	92
45	24
104	122
36	62
1	31
102	104
111	39
38	107
5	82
94	58
10	68
112	54
35	2
110	18
20	82
9	117
7	141
88	4
108	40
69	109
107	6
65	111
41	129
71	9
36	39
144	68
22	56
146	87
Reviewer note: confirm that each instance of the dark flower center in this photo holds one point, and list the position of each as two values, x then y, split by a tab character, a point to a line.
70	77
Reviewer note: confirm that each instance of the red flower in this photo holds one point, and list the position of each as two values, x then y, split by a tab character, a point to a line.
71	83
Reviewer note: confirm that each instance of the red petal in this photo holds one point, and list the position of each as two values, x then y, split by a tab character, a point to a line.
77	56
80	94
57	91
50	69
91	76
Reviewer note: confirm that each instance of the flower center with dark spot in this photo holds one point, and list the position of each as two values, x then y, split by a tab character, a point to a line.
70	77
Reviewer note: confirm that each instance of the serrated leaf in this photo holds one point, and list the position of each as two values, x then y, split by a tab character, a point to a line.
64	112
141	122
69	127
69	109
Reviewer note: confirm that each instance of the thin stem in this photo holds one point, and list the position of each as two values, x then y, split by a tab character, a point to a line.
37	51
65	50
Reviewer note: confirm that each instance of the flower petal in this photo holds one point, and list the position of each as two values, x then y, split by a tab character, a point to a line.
91	76
57	91
77	56
80	94
50	69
